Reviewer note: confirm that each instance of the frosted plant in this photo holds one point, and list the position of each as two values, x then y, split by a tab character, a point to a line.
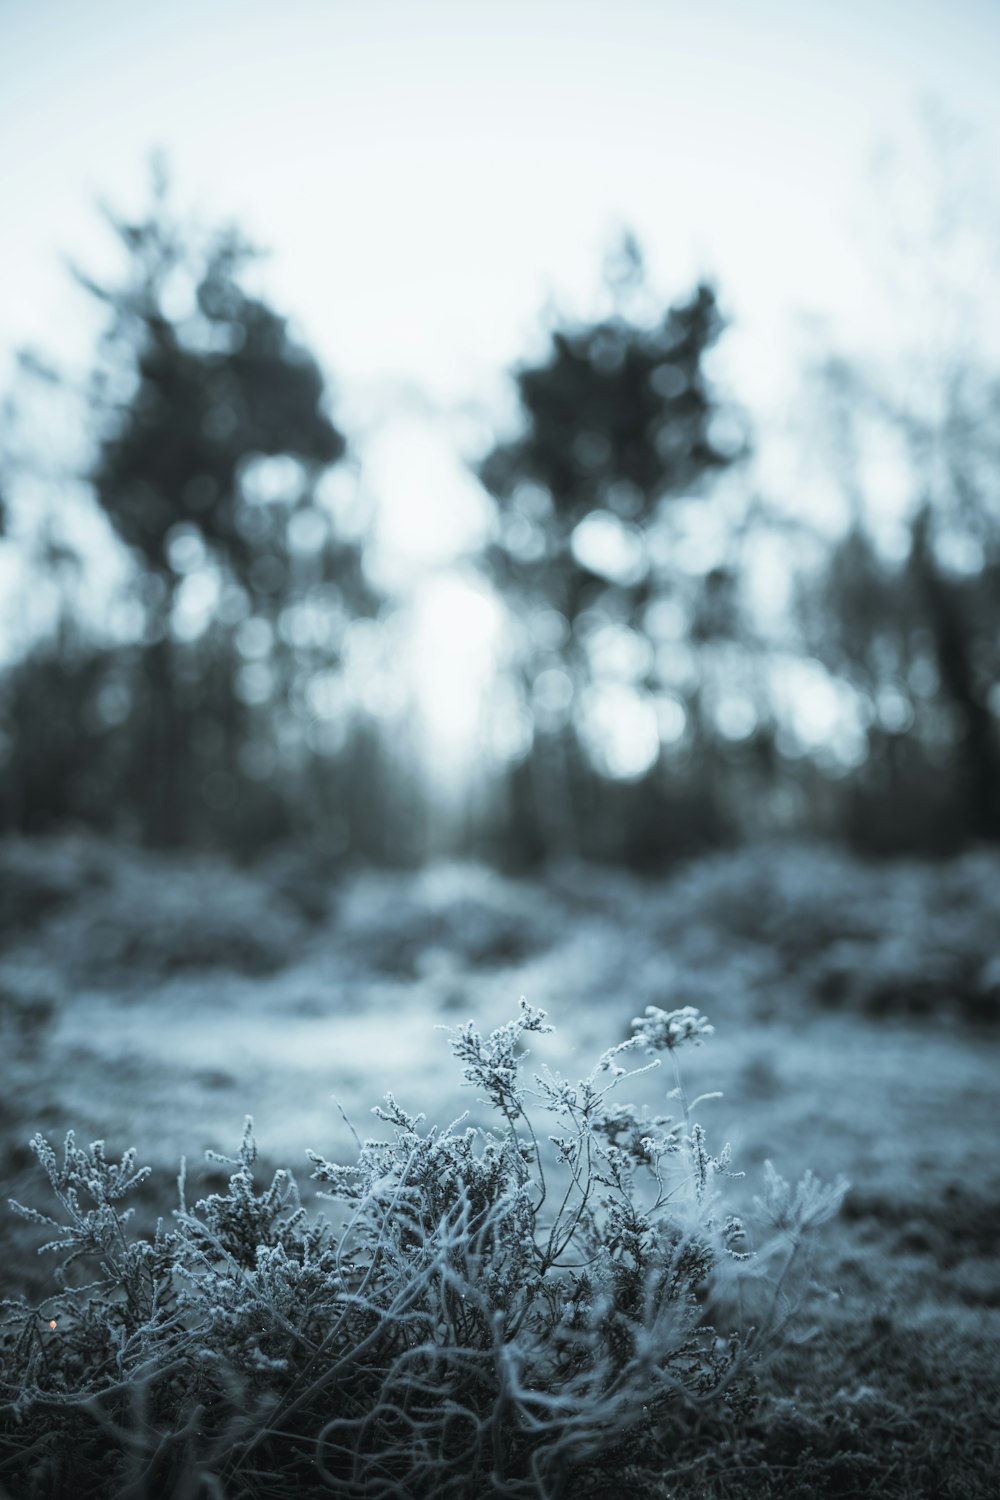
794	1213
662	1030
517	1310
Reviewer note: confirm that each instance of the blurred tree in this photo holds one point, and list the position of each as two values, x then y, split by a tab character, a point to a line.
214	431
62	756
618	418
963	618
620	422
938	409
917	635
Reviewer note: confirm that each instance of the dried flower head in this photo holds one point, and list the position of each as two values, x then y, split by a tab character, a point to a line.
794	1213
664	1030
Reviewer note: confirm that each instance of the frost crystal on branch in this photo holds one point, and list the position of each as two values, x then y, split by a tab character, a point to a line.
492	1065
811	1204
664	1030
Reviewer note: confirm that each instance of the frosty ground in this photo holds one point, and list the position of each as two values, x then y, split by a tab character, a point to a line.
156	1002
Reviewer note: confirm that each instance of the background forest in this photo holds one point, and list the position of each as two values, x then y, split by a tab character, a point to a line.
675	659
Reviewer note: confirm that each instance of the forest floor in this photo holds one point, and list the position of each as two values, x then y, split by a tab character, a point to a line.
155	1002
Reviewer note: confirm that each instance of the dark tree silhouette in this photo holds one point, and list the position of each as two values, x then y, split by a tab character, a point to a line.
209	392
964	670
916	636
619	419
192	401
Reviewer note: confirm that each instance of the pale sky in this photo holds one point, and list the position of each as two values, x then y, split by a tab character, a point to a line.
426	172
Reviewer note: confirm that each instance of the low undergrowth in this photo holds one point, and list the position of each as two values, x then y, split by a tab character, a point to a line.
893	1403
559	1303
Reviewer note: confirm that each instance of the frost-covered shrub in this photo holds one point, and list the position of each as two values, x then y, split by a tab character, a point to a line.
39	877
522	1310
157	916
466	914
906	938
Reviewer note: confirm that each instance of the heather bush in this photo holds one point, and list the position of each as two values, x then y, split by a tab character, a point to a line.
559	1302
